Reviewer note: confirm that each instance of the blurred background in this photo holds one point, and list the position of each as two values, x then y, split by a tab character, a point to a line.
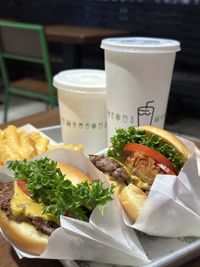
174	19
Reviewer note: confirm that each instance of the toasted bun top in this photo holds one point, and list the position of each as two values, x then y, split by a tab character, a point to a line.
169	138
73	174
23	235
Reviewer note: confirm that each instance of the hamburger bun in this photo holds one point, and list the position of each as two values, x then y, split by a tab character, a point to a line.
132	200
23	235
73	174
169	138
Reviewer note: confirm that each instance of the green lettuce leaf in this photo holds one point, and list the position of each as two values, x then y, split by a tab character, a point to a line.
47	185
131	135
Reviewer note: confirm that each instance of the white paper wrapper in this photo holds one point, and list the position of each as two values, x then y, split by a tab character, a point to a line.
104	239
173	205
160	250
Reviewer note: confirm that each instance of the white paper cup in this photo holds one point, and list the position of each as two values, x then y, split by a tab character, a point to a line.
82	106
138	78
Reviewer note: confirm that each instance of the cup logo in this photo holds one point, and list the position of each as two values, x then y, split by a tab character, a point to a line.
80	125
69	123
132	119
94	126
125	118
145	114
100	125
117	116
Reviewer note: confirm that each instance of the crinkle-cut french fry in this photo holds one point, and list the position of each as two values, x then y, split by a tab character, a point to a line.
18	144
12	136
41	145
8	154
28	149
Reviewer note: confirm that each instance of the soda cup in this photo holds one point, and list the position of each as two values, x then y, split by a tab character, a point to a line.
82	107
138	77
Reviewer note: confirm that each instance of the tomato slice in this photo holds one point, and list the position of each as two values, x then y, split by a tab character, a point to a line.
166	169
22	184
149	152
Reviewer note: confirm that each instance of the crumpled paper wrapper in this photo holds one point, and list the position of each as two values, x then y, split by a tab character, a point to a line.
163	251
105	239
173	205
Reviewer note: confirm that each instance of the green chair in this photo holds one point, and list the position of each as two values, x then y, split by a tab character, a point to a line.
25	42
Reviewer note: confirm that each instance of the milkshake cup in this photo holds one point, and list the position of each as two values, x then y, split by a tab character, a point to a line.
82	107
138	78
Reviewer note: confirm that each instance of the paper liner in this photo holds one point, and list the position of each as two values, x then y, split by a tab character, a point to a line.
104	239
172	208
161	250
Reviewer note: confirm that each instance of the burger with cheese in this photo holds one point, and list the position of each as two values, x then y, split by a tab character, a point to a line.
30	206
135	157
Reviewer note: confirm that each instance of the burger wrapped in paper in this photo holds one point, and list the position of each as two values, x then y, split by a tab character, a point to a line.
134	159
31	205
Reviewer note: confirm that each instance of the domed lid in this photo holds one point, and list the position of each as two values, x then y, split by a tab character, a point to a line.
81	80
140	45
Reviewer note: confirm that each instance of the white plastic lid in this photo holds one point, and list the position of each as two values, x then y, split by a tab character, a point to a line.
81	81
140	45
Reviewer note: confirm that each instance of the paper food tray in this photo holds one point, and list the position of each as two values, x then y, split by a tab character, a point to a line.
172	252
175	251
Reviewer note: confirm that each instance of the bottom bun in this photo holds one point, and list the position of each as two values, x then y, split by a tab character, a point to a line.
23	235
132	199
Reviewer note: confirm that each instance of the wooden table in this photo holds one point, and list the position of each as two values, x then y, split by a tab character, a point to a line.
39	120
78	35
8	257
74	37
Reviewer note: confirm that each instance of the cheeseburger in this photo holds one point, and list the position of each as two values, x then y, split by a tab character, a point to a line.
135	157
31	205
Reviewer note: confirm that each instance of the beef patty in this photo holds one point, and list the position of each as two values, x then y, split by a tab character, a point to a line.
6	193
138	165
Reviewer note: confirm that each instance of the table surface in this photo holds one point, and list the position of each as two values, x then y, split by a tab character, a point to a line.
78	35
39	120
8	257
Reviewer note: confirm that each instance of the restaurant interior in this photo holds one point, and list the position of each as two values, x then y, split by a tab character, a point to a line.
173	19
70	34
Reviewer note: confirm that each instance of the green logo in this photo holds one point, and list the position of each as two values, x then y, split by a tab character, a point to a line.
188	239
100	125
125	118
94	126
68	123
117	117
132	119
80	125
148	237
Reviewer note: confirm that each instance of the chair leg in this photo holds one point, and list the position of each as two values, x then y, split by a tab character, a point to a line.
53	102
6	103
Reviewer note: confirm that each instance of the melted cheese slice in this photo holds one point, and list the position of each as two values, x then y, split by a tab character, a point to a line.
23	206
139	183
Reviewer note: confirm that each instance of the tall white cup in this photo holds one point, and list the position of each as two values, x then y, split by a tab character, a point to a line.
82	106
138	78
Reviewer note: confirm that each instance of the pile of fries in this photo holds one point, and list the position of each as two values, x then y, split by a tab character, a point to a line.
16	143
